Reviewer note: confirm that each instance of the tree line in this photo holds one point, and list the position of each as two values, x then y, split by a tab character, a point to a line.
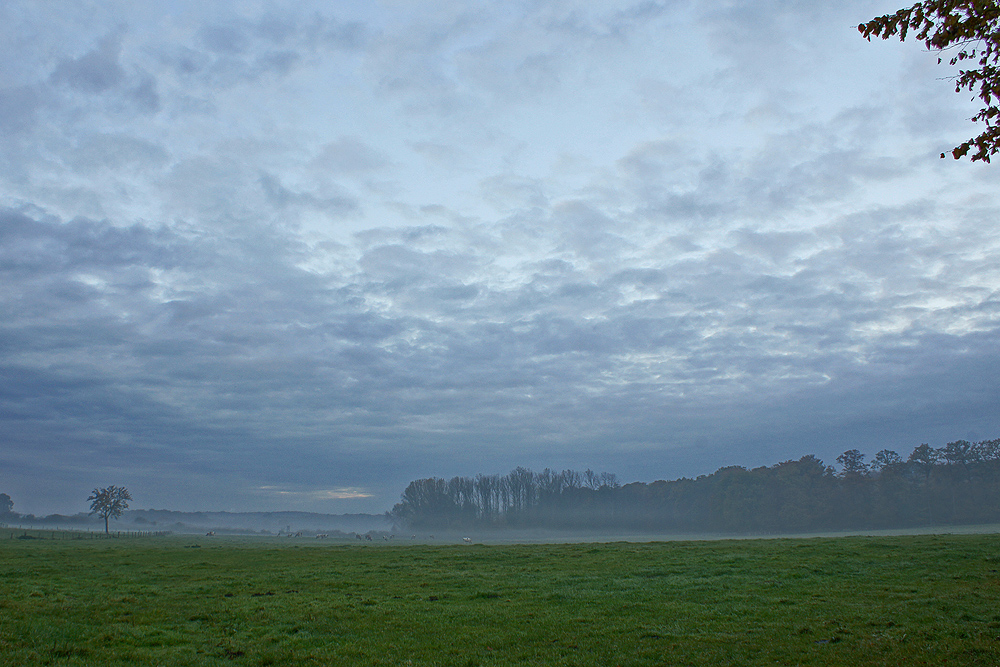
108	503
951	485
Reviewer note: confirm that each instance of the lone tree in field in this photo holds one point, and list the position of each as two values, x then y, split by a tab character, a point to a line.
972	28
6	504
109	503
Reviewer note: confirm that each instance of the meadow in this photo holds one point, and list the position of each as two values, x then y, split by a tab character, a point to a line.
185	600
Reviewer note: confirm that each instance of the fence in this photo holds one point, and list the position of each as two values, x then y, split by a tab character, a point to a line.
57	534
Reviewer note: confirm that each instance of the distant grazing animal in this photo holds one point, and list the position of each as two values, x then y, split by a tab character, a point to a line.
368	537
360	539
322	536
210	533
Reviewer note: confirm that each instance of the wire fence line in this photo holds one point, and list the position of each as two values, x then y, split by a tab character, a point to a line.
21	533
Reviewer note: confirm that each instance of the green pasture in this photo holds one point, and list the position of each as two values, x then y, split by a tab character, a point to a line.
908	600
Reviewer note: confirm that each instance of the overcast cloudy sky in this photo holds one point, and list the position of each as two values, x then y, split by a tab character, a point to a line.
293	255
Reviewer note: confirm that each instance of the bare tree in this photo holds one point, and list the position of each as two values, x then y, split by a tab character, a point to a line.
109	502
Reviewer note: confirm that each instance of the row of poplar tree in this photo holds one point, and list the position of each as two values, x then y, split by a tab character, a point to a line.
951	485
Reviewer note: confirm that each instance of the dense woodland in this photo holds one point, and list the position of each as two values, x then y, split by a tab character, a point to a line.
952	485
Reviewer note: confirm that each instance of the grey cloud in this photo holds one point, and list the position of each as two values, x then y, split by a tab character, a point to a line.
400	266
19	108
282	197
346	36
656	159
224	70
506	70
587	230
281	62
185	60
313	31
406	236
677	182
349	155
239	38
808	165
422	88
757	38
671	102
442	63
45	243
644	277
441	154
145	95
816	179
203	184
117	151
363	327
229	39
776	246
615	25
278	28
508	191
537	72
226	189
543	50
236	51
95	71
456	292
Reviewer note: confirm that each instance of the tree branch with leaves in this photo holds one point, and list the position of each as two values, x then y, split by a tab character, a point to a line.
972	28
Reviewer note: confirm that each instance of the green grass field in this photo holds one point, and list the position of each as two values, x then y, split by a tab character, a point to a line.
911	600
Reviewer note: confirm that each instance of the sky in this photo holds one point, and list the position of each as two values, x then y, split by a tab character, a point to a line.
293	255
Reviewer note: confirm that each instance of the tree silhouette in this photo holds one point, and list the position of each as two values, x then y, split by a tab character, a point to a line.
853	462
885	458
109	503
956	484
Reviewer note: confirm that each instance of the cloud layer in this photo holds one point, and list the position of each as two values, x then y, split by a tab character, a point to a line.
294	258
